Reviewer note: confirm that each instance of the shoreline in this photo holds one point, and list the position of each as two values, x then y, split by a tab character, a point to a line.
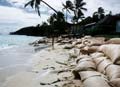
59	67
40	70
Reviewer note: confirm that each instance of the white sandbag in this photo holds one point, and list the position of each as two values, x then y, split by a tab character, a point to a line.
68	46
112	51
96	55
93	79
102	64
98	60
88	50
79	46
74	53
113	41
85	64
81	57
115	82
113	71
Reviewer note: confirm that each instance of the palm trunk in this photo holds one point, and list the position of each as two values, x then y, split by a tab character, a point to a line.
53	27
50	6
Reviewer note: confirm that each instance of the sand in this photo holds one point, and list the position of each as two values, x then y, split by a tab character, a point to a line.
44	70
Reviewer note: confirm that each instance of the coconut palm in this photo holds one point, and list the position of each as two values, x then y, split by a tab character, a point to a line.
35	4
79	9
68	6
100	14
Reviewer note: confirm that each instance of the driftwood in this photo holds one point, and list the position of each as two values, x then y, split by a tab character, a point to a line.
112	51
93	79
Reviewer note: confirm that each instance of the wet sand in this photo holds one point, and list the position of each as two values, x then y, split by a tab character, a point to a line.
43	69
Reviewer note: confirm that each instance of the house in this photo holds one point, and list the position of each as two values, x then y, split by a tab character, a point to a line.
108	25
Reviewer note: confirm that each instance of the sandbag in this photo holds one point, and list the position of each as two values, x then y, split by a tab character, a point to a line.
68	46
112	51
85	64
115	82
98	60
113	41
96	55
102	63
113	71
81	57
89	50
79	46
93	79
73	53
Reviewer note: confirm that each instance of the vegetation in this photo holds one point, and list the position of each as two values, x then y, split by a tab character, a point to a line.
58	24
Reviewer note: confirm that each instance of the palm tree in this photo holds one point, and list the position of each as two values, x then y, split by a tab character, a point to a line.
35	4
77	8
78	14
99	14
68	6
56	21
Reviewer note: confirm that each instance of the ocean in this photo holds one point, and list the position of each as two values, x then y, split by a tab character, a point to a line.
15	52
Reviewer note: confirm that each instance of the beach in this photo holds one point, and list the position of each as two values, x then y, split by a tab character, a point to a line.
43	69
72	63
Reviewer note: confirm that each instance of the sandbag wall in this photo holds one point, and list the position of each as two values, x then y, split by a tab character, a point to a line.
109	69
87	70
98	63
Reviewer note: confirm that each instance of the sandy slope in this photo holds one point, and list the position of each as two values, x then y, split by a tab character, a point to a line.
44	69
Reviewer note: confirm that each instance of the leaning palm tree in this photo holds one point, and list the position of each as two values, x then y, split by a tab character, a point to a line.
35	4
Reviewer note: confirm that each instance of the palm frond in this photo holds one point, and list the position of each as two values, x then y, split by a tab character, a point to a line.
82	4
27	4
85	9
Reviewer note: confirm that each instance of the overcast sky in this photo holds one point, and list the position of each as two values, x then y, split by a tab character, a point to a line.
17	11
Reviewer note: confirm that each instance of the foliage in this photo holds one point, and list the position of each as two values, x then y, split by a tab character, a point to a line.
77	8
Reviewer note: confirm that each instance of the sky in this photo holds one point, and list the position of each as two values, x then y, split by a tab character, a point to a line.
13	10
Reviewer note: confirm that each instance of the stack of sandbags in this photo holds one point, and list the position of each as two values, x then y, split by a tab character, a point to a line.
102	63
97	41
112	51
85	64
113	72
93	79
93	41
